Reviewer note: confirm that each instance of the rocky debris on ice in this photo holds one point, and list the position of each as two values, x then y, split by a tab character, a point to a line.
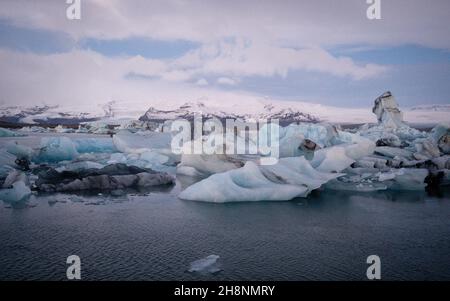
209	264
110	177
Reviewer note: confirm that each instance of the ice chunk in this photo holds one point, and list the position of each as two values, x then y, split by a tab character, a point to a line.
19	192
14	176
387	111
339	157
55	149
409	179
94	145
18	150
363	186
205	165
154	157
208	264
389	139
426	149
8	133
140	142
6	162
441	136
145	142
289	178
292	138
392	152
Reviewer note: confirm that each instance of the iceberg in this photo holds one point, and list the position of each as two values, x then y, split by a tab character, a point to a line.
18	150
55	149
391	130
289	178
18	193
15	188
387	111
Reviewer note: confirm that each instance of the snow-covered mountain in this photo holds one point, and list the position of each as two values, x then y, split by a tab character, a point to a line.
248	108
189	110
45	115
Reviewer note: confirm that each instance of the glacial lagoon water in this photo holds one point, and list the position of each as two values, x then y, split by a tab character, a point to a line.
153	235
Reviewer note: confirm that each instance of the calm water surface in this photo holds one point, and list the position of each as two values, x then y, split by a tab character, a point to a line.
326	236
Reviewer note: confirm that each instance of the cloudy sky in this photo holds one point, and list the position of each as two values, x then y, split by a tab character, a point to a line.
322	51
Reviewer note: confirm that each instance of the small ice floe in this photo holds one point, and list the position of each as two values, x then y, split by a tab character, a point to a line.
208	264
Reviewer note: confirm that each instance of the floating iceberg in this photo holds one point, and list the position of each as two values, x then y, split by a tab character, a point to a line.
55	149
289	178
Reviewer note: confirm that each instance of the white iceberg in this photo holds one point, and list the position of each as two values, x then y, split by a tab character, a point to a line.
289	178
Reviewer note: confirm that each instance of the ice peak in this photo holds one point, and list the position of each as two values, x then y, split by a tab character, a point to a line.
387	111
